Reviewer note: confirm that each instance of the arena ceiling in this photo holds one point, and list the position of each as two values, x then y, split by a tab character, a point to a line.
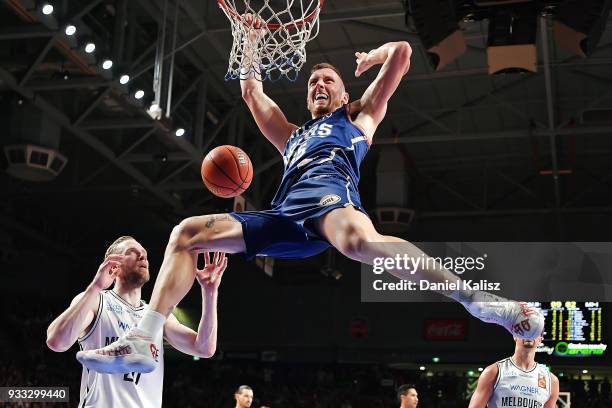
477	144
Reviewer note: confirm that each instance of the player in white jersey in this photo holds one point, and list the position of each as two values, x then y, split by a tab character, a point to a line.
517	381
98	316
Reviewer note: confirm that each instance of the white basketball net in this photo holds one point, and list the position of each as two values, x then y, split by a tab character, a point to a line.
279	48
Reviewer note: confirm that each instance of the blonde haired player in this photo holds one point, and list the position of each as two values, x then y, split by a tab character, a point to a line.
98	316
316	206
517	381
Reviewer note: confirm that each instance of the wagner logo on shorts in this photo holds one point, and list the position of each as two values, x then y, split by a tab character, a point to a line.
329	199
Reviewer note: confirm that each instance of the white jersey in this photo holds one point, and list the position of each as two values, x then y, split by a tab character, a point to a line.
114	318
515	387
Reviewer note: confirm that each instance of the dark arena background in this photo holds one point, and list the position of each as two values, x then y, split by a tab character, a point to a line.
501	131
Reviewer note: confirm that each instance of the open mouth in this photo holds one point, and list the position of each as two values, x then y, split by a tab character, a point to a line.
321	97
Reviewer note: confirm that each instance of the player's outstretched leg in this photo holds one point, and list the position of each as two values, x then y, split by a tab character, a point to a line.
136	351
352	233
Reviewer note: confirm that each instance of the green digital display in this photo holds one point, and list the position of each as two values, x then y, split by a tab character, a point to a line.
573	329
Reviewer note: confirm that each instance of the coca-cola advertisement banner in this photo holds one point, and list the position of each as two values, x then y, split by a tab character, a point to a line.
445	329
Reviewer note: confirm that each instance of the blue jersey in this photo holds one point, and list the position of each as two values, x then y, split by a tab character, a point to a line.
322	161
330	139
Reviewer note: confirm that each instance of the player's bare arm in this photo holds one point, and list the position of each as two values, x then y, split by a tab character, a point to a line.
75	321
554	392
370	109
484	389
202	343
270	119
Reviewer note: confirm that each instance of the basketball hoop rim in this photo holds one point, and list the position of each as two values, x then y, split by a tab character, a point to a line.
275	26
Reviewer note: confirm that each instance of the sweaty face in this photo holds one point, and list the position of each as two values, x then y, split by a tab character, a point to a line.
325	92
245	398
135	266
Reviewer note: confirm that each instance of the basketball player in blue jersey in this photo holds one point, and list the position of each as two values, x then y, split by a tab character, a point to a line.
517	381
316	205
98	316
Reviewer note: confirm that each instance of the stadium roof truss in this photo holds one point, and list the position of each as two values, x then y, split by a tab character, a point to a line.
475	140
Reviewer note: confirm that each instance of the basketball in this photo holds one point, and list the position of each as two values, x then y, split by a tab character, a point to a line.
227	171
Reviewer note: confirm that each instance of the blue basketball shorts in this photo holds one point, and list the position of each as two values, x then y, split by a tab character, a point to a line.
287	230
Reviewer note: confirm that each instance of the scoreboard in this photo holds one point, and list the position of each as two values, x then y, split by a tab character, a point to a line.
573	329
